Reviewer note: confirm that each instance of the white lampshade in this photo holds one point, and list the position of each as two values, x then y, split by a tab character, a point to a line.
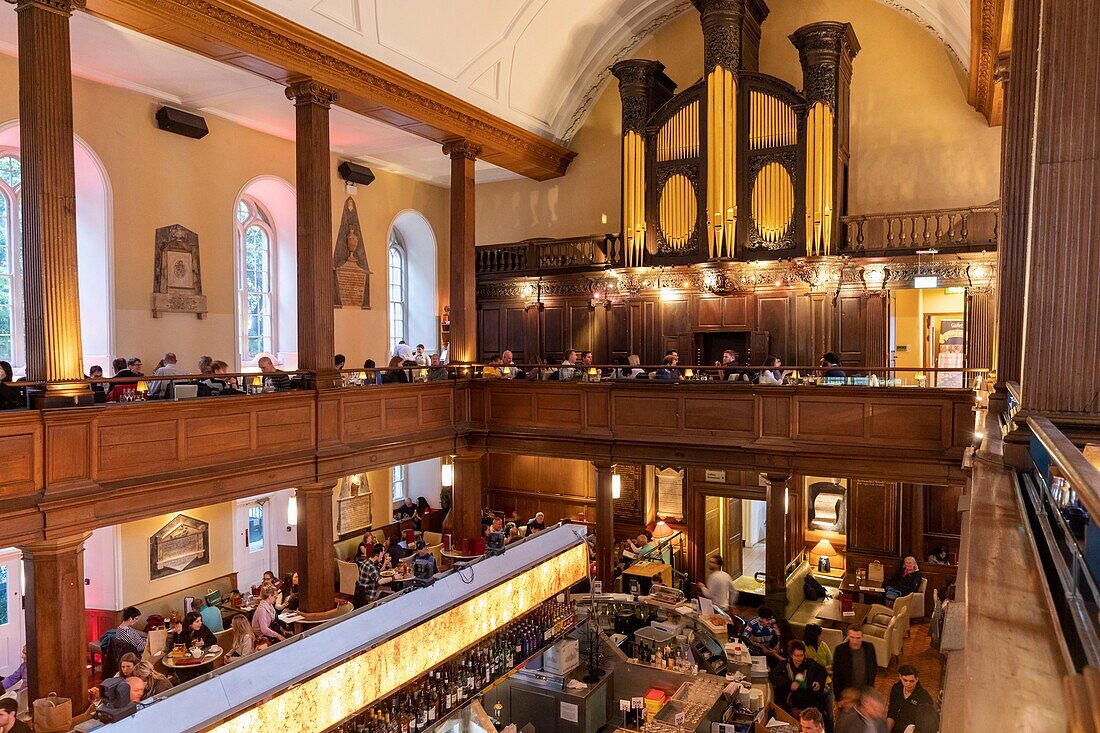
616	486
447	475
292	511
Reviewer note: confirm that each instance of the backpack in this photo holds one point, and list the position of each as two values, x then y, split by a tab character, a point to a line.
812	589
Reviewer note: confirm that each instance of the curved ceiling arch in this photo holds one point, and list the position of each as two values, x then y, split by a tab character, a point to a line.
509	57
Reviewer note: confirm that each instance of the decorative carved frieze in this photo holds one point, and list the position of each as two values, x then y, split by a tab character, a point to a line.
308	91
460	148
826	50
721	20
643	86
60	6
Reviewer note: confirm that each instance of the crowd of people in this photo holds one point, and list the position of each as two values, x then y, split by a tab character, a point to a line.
578	366
833	689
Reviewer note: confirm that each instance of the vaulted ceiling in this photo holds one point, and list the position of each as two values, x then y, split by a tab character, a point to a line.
537	63
540	64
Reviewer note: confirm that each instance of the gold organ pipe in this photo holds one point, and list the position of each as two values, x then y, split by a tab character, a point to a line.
730	164
628	198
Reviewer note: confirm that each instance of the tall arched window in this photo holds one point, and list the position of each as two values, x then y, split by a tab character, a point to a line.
11	260
255	290
399	291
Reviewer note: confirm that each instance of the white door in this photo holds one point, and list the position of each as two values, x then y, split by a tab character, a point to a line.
11	610
252	552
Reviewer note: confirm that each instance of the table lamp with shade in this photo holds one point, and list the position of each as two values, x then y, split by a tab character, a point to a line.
824	550
662	530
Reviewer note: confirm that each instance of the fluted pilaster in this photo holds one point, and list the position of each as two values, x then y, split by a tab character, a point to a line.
51	291
315	282
463	346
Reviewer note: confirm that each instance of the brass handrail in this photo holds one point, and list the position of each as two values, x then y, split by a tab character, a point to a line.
1081	474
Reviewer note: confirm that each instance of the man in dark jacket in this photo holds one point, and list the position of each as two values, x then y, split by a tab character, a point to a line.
854	663
799	682
910	704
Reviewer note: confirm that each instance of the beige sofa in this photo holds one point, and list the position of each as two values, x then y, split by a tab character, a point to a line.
800	611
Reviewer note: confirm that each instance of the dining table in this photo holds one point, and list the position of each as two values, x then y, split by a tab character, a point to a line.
188	670
831	615
861	589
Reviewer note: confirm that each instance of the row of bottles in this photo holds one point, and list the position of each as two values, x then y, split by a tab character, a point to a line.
433	696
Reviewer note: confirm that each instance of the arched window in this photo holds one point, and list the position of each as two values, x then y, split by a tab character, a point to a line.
399	291
11	260
255	289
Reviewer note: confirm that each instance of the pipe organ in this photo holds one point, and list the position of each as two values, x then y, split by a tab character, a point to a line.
740	165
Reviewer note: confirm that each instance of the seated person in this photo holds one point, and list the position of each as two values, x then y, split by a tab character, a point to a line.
508	368
910	704
394	551
905	582
373	375
774	375
762	634
126	664
9	723
492	369
395	374
369	586
940	555
365	544
125	639
495	537
18	678
96	372
192	632
275	380
666	371
153	681
423	563
632	550
264	621
536	523
799	682
405	511
831	363
287	600
211	616
511	533
244	638
437	373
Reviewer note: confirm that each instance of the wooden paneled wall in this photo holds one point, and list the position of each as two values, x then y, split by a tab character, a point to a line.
801	326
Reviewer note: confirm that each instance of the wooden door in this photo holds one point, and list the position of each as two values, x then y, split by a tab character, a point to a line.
735	541
712	532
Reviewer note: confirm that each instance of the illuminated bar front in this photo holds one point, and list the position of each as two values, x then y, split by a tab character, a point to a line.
502	589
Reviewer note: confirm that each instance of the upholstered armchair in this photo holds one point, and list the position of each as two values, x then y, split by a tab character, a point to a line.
886	640
916	604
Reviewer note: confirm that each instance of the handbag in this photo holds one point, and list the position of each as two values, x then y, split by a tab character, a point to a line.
53	714
874	572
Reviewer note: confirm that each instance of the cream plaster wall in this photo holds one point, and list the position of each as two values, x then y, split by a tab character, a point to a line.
916	144
134	545
159	179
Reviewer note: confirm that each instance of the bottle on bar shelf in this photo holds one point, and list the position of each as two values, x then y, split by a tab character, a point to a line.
422	703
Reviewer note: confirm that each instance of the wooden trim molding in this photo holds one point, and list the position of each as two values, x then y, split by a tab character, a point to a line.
990	45
242	34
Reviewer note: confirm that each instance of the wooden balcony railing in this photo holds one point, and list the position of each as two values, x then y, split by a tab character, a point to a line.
74	469
540	256
967	228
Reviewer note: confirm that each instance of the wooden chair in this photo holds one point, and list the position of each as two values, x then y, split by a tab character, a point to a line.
348	575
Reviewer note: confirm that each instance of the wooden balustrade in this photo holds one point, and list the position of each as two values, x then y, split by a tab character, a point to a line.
969	228
538	256
69	470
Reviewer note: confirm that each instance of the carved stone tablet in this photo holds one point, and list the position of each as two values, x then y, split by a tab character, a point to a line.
349	262
177	279
182	544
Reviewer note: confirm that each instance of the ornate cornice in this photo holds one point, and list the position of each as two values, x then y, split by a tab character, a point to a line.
721	21
990	25
65	7
307	91
824	50
461	149
286	49
643	86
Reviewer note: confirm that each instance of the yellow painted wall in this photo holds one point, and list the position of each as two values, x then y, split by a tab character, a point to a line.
158	179
909	309
134	541
916	144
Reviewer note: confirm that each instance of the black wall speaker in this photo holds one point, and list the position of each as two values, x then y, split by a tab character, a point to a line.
355	173
181	123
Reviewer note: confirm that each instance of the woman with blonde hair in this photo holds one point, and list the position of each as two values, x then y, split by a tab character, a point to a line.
155	682
244	638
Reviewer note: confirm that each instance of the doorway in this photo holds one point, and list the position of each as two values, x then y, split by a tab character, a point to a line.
11	610
252	550
734	529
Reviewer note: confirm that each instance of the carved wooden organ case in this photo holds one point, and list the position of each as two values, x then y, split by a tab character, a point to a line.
741	165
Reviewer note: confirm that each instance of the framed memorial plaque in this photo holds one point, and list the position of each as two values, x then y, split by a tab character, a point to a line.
349	263
182	544
177	276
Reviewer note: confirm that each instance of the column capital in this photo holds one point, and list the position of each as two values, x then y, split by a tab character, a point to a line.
64	7
55	547
776	478
461	148
307	91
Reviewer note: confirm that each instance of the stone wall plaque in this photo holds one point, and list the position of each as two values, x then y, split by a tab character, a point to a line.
353	504
182	544
177	279
349	262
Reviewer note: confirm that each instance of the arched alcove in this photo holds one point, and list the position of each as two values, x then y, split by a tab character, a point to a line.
95	251
416	235
278	200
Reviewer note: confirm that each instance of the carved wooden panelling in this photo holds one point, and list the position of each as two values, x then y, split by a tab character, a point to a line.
850	328
553	333
362	417
286	426
619	330
773	314
775	417
489	328
20	456
710	312
873	519
435	410
559	408
514	337
225	435
511	407
734	416
916	424
402	413
631	412
581	328
941	510
832	420
124	451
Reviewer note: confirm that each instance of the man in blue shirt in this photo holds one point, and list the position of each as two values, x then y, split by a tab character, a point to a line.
763	634
211	616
